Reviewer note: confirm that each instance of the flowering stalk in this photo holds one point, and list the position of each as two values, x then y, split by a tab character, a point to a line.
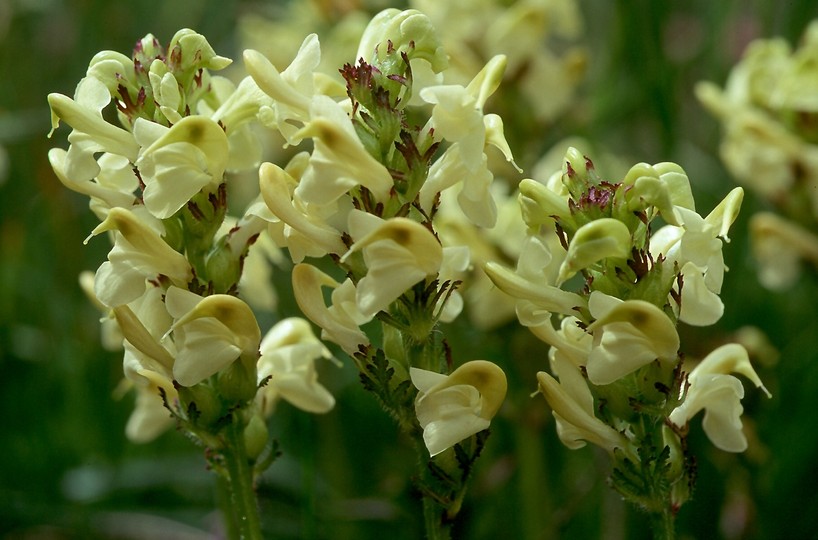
367	198
616	289
158	181
770	146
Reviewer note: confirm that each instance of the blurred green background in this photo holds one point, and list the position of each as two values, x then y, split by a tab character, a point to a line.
66	470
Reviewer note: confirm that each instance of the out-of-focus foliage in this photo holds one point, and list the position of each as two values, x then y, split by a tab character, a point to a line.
67	470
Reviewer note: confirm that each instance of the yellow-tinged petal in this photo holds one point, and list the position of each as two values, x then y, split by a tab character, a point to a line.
730	358
233	313
627	335
678	184
203	133
488	80
548	297
489	380
726	212
586	426
109	137
274	185
452	408
647	319
270	81
398	253
146	241
341	150
135	332
340	321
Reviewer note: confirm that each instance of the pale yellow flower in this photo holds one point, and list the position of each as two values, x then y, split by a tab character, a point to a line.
719	394
454	407
573	407
398	253
340	322
288	354
627	334
139	253
209	333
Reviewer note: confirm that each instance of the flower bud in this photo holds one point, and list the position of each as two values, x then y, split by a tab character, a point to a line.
223	267
237	383
256	436
594	241
192	51
541	205
201	404
409	31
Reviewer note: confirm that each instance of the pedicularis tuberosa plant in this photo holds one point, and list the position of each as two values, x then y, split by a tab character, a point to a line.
391	167
605	287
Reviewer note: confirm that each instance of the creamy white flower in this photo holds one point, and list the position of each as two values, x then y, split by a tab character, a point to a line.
292	89
91	132
190	156
147	364
398	253
573	408
533	282
454	407
627	334
303	232
150	418
756	149
719	394
113	186
209	333
696	247
458	117
339	161
288	354
237	112
139	253
340	322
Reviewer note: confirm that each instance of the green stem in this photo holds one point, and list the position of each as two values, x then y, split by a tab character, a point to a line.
243	502
432	518
223	497
436	528
663	525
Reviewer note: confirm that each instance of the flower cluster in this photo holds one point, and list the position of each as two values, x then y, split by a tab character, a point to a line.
171	288
368	193
768	113
606	292
388	152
